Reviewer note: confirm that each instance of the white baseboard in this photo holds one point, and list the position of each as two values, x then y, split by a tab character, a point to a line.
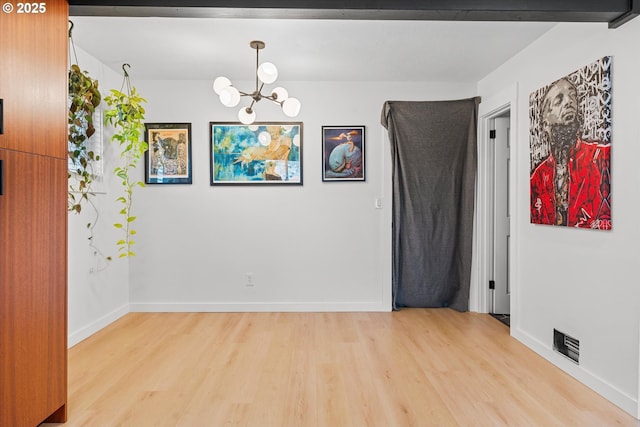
609	392
256	307
86	331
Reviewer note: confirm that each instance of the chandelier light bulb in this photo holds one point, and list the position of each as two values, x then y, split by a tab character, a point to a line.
291	107
220	83
280	94
229	96
246	116
267	73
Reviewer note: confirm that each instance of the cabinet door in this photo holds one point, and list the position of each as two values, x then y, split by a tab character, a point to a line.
33	77
33	291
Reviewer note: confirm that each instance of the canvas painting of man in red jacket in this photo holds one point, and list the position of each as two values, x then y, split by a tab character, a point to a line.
570	178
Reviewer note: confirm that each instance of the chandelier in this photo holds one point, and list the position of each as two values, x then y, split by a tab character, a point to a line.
266	73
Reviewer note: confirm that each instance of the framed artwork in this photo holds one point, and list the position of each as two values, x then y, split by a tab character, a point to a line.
343	153
570	149
260	153
168	159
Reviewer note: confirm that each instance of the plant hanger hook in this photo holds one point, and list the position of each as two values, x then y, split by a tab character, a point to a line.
72	49
126	81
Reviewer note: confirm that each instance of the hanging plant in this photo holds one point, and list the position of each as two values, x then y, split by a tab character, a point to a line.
84	97
126	115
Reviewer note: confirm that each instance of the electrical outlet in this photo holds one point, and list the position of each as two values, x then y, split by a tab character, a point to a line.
248	279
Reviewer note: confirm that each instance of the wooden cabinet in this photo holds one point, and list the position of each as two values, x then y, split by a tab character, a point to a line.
33	216
33	295
33	79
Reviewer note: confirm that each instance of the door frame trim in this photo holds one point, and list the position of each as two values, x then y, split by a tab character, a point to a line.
490	108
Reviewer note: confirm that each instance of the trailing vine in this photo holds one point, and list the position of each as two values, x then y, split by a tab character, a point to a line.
84	97
126	115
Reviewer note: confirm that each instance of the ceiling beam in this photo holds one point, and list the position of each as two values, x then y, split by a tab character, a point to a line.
613	12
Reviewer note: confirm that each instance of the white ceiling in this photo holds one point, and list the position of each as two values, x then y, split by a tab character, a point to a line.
304	50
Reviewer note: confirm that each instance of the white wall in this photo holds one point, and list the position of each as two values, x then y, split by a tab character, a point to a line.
98	289
581	282
320	246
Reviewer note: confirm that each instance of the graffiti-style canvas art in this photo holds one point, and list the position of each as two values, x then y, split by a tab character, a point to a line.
570	149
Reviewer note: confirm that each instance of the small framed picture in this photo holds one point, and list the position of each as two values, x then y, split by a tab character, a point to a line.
343	153
257	154
168	159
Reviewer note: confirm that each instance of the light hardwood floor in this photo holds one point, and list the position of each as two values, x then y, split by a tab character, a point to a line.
414	367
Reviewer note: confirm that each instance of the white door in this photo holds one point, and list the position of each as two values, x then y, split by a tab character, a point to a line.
500	283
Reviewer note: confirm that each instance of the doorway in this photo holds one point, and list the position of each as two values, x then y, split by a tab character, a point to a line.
499	219
495	247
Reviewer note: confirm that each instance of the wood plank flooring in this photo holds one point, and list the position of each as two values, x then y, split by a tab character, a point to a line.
414	367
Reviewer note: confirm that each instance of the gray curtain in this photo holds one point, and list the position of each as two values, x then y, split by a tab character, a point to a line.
434	155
